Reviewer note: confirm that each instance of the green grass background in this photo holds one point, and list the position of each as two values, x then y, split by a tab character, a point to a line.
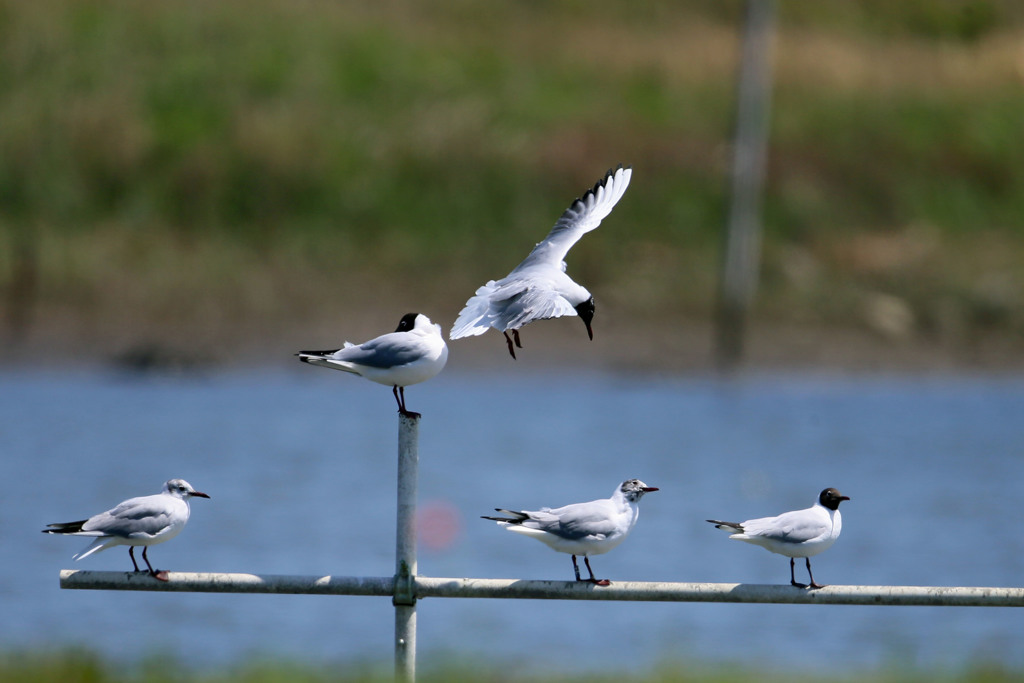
80	667
196	164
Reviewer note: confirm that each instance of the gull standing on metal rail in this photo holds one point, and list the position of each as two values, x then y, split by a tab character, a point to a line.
144	521
413	353
538	288
584	529
801	533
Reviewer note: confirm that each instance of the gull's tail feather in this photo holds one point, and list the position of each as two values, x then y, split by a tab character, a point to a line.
516	518
64	527
731	527
96	546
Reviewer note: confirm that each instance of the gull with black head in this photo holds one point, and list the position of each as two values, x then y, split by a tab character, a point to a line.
413	353
538	288
800	533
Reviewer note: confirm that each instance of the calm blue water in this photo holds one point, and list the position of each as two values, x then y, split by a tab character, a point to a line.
301	468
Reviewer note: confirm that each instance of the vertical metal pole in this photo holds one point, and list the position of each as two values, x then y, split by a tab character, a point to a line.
405	549
743	237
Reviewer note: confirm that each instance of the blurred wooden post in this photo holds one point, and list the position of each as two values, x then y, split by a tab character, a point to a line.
404	598
740	266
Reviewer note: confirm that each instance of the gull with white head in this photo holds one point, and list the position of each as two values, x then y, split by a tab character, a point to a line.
584	529
142	521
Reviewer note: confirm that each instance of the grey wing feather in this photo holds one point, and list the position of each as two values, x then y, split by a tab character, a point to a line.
579	520
788	527
383	352
135	516
533	303
508	305
475	317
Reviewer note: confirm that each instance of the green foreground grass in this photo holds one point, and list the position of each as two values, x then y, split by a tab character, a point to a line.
184	164
81	667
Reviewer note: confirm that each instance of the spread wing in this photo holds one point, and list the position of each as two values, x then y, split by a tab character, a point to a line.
527	305
508	305
585	214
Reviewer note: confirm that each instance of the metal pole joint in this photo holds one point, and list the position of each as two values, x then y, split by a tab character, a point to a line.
405	587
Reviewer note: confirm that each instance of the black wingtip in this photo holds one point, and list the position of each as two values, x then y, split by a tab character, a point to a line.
321	354
517	517
602	182
734	526
611	172
64	527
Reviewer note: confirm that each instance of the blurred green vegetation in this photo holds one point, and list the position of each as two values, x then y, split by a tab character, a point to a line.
250	154
83	667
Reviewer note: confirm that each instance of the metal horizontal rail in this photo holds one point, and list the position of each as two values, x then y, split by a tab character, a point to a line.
206	582
430	587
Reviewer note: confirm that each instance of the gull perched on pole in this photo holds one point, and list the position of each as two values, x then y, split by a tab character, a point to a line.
800	533
584	529
413	353
144	521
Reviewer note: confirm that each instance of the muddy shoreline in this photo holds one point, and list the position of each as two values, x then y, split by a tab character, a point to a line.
677	346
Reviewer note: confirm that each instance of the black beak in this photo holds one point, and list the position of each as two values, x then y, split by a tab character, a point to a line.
586	313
